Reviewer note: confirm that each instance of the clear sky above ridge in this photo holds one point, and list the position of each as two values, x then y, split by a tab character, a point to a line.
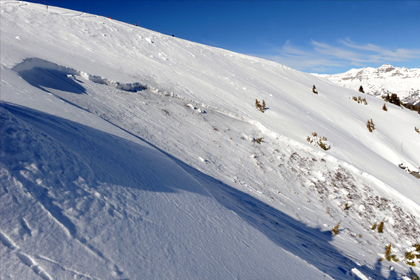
311	36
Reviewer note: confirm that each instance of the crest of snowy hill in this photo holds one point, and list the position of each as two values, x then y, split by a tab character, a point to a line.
128	154
382	81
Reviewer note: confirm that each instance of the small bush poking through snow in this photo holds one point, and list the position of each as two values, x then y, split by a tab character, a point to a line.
410	106
412	255
335	229
360	100
394	99
361	89
388	255
260	106
381	227
384	108
318	141
259	140
364	101
314	90
370	125
374	226
411	263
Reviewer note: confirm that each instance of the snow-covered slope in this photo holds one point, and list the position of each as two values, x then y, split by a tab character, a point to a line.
382	81
129	154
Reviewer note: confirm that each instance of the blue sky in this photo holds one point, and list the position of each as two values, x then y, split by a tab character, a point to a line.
311	36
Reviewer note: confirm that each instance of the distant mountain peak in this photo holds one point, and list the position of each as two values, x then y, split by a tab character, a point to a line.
381	81
386	68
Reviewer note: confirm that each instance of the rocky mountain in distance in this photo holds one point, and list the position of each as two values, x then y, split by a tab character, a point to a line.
381	81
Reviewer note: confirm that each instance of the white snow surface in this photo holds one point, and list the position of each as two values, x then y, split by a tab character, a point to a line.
128	154
381	81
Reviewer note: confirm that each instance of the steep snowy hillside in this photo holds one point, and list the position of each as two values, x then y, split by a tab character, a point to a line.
382	81
128	154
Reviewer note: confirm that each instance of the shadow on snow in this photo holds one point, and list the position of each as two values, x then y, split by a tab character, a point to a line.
146	167
51	80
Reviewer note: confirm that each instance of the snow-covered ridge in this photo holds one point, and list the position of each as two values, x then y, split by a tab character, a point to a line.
30	63
126	152
381	81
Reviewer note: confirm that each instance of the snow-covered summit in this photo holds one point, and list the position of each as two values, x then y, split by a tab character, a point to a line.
381	81
128	154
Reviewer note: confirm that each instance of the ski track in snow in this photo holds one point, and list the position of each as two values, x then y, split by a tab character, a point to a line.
27	260
24	258
75	273
7	241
